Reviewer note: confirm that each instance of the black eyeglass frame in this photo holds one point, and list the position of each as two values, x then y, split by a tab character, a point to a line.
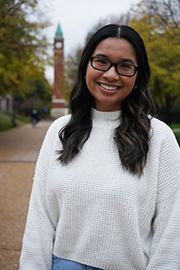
115	65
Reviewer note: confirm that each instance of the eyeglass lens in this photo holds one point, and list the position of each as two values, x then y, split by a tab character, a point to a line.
104	65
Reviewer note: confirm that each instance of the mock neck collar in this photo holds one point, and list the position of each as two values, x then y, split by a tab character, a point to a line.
106	120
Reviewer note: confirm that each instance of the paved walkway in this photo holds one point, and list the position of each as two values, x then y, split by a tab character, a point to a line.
176	129
19	150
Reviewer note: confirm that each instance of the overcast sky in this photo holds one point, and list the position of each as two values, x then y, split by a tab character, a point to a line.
78	17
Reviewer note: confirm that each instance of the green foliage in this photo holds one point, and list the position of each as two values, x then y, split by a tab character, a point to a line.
39	97
70	71
22	46
162	41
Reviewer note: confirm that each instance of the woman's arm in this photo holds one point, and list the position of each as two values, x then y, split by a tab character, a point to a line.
165	249
39	233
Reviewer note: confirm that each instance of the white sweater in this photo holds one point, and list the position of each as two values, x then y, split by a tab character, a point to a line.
94	212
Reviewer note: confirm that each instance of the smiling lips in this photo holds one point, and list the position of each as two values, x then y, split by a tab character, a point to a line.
108	88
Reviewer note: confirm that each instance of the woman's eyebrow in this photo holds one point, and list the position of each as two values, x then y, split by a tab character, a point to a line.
101	55
123	60
129	60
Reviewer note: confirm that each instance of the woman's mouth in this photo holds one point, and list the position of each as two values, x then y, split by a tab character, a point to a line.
108	88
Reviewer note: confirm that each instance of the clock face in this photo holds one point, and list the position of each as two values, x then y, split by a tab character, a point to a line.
58	45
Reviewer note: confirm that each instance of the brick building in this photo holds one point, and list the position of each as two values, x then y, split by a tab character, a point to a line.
58	103
6	103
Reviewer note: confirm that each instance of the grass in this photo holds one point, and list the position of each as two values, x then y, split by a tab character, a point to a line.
177	133
175	126
6	122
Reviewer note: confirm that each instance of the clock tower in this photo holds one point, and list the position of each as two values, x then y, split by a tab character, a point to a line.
58	103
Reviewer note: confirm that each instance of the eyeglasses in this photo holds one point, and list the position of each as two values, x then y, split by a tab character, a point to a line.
124	69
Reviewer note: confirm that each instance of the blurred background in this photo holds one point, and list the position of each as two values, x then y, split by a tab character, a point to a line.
41	42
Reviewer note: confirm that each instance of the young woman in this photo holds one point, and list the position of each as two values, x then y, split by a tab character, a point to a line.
106	192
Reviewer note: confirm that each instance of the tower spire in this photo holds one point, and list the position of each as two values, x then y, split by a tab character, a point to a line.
59	33
58	103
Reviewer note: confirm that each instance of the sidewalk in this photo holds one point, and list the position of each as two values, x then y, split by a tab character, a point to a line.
19	150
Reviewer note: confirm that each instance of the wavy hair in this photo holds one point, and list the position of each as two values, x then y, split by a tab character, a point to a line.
132	134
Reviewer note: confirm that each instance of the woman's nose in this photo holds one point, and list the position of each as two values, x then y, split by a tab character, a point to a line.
111	74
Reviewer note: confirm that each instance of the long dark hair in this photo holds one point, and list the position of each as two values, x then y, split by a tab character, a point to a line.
132	134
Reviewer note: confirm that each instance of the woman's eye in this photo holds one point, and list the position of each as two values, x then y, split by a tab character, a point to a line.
125	66
101	61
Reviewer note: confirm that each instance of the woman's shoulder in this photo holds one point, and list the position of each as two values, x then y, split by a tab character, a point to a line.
58	124
160	126
61	121
161	131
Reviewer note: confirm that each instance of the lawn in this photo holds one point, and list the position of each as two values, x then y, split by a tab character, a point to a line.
6	123
177	134
173	126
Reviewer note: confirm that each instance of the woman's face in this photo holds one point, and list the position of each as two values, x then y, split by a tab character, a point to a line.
108	87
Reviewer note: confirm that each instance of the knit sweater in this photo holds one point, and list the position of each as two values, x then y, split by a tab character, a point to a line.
94	212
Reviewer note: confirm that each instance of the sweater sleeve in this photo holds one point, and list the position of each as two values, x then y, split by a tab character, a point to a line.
39	233
165	248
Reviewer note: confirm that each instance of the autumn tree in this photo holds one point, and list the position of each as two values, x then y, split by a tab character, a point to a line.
159	25
22	46
163	13
70	71
38	98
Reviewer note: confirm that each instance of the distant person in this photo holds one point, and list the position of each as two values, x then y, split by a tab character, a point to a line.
35	117
106	192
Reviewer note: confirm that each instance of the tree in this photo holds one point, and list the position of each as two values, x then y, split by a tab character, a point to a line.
22	46
39	98
158	24
166	12
70	71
